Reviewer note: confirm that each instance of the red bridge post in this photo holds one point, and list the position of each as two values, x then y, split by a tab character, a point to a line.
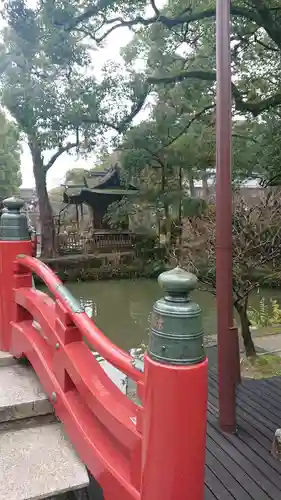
166	451
175	398
14	240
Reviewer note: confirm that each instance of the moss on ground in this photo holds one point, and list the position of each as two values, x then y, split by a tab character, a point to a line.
261	366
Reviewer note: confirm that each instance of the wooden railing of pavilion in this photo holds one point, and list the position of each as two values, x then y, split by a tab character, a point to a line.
83	243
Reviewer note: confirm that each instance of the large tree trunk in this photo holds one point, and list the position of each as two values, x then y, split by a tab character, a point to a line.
180	207
205	186
192	189
45	210
241	308
167	225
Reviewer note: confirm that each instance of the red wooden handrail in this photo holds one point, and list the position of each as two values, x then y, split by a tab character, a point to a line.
109	351
115	463
110	406
124	446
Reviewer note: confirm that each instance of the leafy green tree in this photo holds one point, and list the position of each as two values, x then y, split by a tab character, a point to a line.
187	41
178	59
59	107
268	150
56	194
181	133
39	92
76	175
160	153
56	104
10	150
256	150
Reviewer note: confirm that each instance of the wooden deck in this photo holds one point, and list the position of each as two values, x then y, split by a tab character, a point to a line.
241	467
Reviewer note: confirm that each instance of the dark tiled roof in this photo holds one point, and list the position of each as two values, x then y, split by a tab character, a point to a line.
96	184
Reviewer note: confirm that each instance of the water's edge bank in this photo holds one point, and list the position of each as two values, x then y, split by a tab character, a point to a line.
125	265
74	268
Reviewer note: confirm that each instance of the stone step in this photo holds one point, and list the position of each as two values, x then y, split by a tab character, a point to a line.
6	359
21	395
37	463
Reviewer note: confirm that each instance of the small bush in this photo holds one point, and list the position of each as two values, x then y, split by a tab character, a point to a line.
268	314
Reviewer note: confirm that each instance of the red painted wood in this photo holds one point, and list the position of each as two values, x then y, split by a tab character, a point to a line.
99	392
150	453
106	461
174	431
116	356
8	253
114	454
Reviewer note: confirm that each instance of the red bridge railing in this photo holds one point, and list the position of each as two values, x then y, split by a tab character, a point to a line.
150	452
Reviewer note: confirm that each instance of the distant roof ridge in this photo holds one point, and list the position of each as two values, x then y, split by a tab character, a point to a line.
108	175
99	173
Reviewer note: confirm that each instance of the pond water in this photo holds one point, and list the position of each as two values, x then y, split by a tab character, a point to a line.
123	307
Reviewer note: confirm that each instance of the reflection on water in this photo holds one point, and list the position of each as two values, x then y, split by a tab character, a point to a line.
122	307
89	306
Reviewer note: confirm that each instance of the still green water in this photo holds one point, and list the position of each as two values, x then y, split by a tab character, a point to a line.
123	307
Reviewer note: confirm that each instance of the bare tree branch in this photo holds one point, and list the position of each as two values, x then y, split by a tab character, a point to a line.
61	150
122	125
244	106
171	22
105	123
188	125
153	5
179	77
184	18
245	137
268	21
257	12
137	106
93	11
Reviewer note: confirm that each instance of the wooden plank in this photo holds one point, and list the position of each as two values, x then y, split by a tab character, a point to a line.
274	382
266	393
216	487
269	427
247	413
224	452
209	495
264	387
247	432
257	480
268	387
265	463
242	464
233	486
259	406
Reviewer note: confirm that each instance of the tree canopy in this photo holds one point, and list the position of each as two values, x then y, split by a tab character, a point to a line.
49	87
76	175
179	50
184	30
48	83
10	149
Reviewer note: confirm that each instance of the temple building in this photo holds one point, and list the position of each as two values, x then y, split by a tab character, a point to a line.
99	191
